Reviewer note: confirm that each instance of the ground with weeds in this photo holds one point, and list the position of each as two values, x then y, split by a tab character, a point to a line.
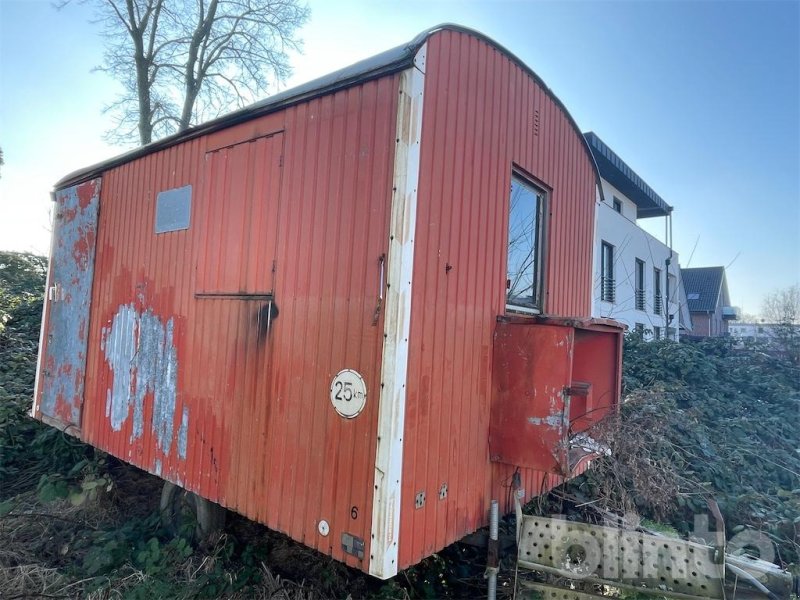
700	420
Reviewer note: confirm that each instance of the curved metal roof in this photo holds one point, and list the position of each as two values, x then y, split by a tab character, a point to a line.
385	63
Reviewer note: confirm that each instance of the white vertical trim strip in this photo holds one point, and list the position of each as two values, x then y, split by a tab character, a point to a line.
397	323
45	306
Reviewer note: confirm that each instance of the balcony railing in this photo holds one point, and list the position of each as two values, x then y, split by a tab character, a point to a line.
658	307
730	313
640	299
608	289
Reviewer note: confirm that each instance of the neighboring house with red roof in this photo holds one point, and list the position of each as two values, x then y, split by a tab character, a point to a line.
709	302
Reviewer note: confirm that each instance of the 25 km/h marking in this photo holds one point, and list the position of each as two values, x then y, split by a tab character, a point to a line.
348	393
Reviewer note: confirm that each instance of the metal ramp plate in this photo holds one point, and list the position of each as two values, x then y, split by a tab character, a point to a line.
620	557
549	592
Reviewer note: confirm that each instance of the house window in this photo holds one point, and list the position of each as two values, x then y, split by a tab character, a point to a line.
657	300
639	284
656	332
607	283
639	329
617	205
524	268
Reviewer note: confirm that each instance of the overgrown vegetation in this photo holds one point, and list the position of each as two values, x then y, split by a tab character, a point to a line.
704	420
28	449
700	420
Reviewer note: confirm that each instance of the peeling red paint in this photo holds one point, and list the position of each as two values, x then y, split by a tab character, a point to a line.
63	409
66	215
86	193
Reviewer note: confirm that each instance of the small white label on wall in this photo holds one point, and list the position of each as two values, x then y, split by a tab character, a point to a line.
324	528
348	393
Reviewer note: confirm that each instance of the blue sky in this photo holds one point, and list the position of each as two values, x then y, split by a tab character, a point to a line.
702	99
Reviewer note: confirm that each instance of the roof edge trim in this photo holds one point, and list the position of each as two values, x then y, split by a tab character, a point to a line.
379	65
648	202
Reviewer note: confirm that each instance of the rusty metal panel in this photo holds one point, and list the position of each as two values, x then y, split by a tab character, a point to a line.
530	410
213	349
483	115
62	368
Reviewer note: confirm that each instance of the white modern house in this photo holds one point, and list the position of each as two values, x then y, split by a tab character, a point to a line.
766	333
636	276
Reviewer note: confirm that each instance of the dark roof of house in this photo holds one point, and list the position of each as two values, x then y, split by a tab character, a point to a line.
617	172
385	63
705	287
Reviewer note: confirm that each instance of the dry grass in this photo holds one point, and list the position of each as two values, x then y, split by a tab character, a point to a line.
35	541
40	549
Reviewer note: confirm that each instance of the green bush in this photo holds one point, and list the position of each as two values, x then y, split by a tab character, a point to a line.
705	419
28	449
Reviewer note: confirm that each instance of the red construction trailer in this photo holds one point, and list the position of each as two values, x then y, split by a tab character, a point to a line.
351	311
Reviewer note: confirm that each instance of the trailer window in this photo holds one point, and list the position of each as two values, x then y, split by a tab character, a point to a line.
524	268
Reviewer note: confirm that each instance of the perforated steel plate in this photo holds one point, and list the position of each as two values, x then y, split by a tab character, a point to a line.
621	556
549	592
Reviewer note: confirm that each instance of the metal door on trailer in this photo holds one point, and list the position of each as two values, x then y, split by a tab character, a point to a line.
63	345
238	217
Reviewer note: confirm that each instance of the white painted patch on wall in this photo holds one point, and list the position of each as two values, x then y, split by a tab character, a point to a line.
551	421
183	432
140	351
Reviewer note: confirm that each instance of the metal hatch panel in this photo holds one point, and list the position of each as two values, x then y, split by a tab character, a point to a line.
530	409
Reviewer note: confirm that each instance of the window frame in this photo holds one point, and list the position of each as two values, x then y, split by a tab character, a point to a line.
606	248
639	286
658	296
542	193
616	204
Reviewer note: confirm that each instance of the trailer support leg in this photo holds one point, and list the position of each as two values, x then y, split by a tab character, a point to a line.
493	554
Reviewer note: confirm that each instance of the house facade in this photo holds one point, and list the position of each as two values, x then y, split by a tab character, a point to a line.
754	332
708	300
636	277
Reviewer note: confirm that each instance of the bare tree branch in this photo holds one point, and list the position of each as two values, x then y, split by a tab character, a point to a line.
183	61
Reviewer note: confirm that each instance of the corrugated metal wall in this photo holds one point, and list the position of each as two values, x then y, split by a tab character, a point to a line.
198	388
483	115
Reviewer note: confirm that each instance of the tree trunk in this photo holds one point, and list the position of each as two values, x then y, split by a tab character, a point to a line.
137	30
193	80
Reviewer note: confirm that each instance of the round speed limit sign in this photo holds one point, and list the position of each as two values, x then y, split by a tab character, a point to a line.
348	393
